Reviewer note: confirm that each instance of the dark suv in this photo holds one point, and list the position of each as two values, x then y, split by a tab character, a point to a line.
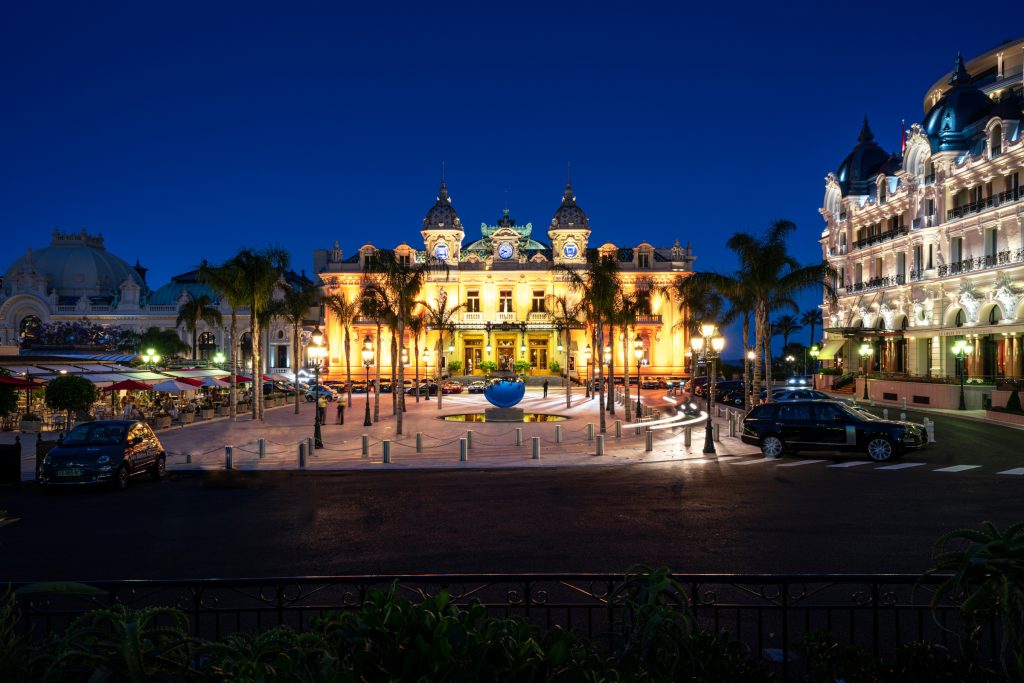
816	425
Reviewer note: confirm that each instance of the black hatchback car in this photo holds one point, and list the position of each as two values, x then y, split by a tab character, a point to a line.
816	425
104	452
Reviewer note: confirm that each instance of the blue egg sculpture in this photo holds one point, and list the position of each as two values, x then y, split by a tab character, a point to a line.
505	393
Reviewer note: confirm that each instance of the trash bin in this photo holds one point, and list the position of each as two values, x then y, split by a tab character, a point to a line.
10	462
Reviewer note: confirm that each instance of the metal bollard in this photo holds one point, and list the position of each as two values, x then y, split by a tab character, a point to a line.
229	458
590	431
885	413
366	445
262	445
386	450
535	442
419	442
519	436
716	434
302	454
188	458
732	424
904	404
600	445
687	437
464	450
618	429
558	433
469	439
718	411
903	416
649	443
309	446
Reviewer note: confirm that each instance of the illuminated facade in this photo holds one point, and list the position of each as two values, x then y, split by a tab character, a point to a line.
927	243
504	281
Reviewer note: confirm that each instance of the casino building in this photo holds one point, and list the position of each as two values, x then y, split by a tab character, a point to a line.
926	240
503	279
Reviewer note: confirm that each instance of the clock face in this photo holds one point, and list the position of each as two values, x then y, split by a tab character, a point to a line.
570	250
441	251
505	250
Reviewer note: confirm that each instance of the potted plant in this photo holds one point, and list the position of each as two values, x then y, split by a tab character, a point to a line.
487	366
522	366
206	410
454	367
188	414
30	423
222	409
555	368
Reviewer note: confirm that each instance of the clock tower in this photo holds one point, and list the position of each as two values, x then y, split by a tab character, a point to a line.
442	230
569	230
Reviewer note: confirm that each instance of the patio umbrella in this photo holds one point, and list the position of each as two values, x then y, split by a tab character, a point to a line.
26	384
125	385
241	379
174	386
190	380
215	383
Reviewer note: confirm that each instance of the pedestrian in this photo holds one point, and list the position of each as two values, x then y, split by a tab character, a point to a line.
545	388
321	406
341	411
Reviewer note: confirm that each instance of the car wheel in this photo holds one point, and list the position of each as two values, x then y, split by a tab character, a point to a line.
880	449
121	480
159	467
772	446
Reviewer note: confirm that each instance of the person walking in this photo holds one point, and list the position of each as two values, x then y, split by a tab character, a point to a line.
545	388
321	405
340	420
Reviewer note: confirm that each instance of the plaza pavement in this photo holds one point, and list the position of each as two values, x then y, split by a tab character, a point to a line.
201	446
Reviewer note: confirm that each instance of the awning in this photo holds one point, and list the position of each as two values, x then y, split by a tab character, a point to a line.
828	351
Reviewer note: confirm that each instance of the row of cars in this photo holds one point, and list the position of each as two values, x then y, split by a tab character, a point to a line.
332	389
645	382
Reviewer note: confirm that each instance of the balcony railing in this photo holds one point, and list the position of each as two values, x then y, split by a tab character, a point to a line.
984	204
982	262
877	283
648	319
505	316
539	316
475	317
875	239
924	222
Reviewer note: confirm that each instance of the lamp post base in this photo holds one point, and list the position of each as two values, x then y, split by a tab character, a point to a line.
709	433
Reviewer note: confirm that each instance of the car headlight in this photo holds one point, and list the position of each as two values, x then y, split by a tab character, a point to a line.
103	460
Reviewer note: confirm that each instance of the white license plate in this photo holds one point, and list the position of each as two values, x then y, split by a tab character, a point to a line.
69	473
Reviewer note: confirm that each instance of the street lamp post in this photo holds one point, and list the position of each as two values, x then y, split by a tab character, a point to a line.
315	351
961	348
638	353
815	352
606	356
150	358
426	365
367	362
586	358
707	347
748	390
865	352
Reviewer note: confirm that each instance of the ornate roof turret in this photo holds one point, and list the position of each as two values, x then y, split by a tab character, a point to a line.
569	216
442	215
862	165
961	106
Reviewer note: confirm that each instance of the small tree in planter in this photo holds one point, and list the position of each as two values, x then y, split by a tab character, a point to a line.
522	366
488	366
555	367
454	366
70	393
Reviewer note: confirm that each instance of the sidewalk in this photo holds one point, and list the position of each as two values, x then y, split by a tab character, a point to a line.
896	407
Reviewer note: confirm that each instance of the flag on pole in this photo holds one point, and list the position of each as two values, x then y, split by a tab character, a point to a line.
903	136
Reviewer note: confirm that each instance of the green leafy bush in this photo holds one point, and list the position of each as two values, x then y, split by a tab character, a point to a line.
488	366
454	366
521	366
554	367
71	393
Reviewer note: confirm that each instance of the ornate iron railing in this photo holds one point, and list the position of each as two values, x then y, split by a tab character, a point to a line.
769	613
985	203
877	283
982	262
881	237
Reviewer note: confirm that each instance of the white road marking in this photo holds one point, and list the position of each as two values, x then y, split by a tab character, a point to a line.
726	458
957	468
1017	471
901	466
755	460
800	462
852	463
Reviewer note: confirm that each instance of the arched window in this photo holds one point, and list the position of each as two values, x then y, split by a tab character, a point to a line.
994	315
29	328
207	339
996	146
959	321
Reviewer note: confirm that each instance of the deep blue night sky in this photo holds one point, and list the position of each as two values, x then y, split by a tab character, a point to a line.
190	131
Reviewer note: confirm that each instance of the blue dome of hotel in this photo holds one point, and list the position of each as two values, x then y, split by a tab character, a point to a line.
77	264
442	215
861	166
962	105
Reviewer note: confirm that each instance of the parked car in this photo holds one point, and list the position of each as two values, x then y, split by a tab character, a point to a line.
651	383
358	387
800	381
104	452
787	394
828	425
476	387
723	387
452	387
327	393
734	397
386	385
424	388
696	385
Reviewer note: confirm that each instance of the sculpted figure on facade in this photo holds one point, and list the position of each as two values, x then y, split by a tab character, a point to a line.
969	301
1006	295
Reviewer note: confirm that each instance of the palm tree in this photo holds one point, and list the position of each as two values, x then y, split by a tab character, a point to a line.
194	311
811	318
630	308
416	324
345	312
440	316
374	305
784	326
294	307
259	272
566	312
226	280
597	283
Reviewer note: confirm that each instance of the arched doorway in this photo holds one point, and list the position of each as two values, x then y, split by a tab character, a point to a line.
207	345
28	329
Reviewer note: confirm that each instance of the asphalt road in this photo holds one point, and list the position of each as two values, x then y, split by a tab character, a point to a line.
742	516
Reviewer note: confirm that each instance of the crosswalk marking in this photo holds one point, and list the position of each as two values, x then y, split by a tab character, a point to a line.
800	462
726	458
1019	471
751	462
958	468
901	466
852	463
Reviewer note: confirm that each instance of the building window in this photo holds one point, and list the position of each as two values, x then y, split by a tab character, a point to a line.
878	267
956	249
29	327
505	301
931	251
882	191
901	266
859	275
538	301
959	321
473	301
997	141
403	259
643	260
918	258
991	240
539	354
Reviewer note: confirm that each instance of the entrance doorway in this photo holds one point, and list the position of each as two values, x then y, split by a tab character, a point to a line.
473	353
539	354
506	354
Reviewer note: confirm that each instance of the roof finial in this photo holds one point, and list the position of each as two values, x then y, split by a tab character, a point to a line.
568	197
443	192
865	132
960	74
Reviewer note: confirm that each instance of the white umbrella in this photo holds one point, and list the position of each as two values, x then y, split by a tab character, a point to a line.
173	386
215	382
